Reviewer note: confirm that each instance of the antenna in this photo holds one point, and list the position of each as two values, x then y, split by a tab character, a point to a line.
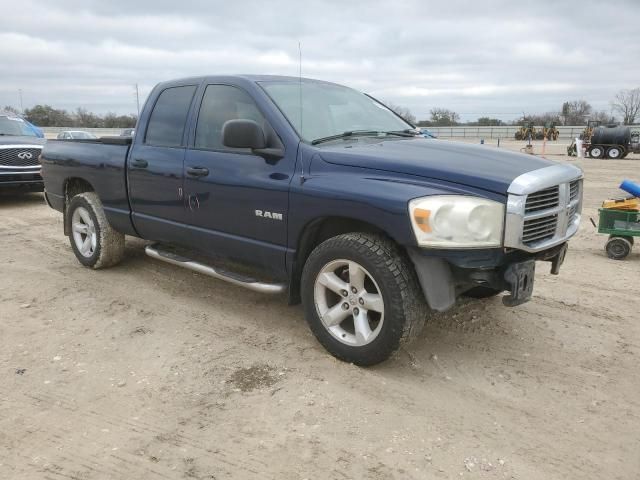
302	178
300	80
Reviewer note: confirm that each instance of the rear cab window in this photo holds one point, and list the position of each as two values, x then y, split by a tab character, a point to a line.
168	118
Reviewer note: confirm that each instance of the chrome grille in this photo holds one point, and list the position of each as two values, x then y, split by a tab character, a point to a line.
542	200
19	156
574	190
543	208
539	229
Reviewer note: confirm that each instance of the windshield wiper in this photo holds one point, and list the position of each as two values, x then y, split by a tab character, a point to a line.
407	132
353	133
350	133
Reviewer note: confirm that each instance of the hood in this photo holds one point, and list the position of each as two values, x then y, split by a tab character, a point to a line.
477	166
21	140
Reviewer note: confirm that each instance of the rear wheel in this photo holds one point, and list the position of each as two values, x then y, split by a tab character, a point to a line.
94	242
618	248
596	152
361	297
615	152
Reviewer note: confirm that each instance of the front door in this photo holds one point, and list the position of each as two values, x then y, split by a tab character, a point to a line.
238	200
156	169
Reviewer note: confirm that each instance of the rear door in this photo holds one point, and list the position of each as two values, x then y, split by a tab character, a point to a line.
156	166
238	200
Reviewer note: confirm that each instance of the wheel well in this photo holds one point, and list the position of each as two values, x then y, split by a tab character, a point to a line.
73	187
313	235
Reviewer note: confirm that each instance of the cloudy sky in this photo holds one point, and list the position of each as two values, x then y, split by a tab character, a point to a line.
496	58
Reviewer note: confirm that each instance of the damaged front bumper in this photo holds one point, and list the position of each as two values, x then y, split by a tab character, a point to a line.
445	277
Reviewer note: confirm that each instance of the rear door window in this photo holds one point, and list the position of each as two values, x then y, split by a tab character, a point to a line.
169	116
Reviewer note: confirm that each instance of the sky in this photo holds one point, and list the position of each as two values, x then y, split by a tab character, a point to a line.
478	58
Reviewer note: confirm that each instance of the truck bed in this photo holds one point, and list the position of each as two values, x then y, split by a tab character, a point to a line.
101	163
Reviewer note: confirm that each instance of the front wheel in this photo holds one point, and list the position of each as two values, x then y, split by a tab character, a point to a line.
361	297
94	242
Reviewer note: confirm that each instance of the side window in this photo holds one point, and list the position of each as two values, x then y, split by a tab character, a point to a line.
219	104
169	115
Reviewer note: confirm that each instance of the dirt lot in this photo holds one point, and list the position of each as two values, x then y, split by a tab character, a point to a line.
149	371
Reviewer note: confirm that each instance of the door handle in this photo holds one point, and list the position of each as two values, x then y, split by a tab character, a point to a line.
197	171
139	163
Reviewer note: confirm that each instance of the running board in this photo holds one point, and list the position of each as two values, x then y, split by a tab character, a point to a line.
247	282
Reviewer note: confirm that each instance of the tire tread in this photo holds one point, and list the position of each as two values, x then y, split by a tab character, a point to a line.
110	242
384	254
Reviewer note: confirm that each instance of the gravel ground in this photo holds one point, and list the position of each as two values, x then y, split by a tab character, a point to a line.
149	371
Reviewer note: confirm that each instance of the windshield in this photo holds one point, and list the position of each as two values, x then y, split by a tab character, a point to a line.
15	126
329	109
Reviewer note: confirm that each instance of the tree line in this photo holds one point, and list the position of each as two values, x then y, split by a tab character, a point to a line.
47	116
626	104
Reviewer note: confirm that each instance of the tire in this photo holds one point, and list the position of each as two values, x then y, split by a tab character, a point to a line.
482	292
596	152
627	238
618	248
374	266
615	153
94	242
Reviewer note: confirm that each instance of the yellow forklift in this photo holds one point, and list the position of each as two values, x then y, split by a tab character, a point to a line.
526	131
550	132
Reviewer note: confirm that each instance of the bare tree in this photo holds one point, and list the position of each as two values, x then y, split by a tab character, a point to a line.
603	117
443	117
10	109
403	112
87	119
543	119
575	112
627	103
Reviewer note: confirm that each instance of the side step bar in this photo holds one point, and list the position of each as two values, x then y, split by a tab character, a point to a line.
252	284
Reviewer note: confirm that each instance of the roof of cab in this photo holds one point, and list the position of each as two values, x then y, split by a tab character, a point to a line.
243	77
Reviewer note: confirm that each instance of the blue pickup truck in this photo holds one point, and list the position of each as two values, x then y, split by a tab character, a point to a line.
301	186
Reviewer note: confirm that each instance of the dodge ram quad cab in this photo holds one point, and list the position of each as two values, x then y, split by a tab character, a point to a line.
287	184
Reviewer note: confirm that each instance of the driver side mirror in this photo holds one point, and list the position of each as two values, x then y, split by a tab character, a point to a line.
243	134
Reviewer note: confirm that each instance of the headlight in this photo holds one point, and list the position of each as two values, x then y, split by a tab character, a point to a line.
457	221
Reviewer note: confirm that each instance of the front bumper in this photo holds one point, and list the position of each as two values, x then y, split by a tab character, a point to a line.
31	180
444	279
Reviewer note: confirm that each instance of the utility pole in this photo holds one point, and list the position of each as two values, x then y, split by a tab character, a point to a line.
21	106
138	100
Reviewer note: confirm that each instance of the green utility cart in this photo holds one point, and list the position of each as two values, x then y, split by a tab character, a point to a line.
621	226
